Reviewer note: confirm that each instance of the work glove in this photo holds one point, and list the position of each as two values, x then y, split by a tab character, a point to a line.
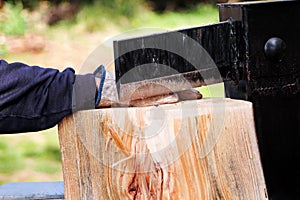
107	90
107	95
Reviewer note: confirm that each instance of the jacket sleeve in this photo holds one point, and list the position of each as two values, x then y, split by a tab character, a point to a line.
34	98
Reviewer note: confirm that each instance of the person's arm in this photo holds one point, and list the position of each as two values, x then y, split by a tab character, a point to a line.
35	98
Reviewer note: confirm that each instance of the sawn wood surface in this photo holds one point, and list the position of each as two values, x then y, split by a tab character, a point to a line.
203	149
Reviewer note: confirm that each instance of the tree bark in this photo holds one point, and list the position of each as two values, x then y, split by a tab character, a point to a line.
203	149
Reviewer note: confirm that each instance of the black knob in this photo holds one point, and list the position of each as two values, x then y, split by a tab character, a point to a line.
275	49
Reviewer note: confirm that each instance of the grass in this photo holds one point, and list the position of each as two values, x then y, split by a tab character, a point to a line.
36	156
38	152
11	160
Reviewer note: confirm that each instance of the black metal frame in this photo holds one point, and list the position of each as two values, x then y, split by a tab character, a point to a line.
273	87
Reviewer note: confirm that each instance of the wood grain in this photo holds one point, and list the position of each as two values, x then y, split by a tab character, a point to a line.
204	149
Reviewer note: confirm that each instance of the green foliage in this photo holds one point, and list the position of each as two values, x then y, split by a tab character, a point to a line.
176	5
99	14
48	151
212	91
120	7
18	152
12	20
124	14
199	15
25	3
11	160
2	50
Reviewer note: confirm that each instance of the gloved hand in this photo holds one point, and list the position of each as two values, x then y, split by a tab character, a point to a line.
107	89
107	93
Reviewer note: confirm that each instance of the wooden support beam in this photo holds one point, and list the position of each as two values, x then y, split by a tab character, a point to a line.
203	149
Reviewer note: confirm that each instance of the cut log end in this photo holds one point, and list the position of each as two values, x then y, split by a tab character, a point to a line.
203	148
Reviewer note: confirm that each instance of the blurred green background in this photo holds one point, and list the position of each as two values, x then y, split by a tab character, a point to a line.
59	34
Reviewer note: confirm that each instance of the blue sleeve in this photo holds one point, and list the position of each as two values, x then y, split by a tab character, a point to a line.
34	98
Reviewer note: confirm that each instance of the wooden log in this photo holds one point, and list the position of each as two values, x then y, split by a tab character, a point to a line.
202	149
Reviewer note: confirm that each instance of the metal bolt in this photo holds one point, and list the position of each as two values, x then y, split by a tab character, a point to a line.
275	49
